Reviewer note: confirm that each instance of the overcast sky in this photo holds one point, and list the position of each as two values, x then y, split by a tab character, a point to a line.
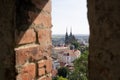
69	14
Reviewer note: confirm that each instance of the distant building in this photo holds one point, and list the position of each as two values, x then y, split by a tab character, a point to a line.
72	55
64	57
68	56
69	38
55	64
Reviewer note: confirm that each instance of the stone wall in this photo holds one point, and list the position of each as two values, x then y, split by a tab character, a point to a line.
7	25
33	40
104	58
25	40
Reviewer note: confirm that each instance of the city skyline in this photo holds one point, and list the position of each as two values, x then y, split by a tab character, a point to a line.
69	14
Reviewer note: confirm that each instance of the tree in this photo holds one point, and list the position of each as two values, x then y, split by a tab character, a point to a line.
63	71
76	44
61	78
81	68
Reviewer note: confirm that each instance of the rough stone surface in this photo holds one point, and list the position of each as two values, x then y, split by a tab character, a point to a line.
104	20
25	38
27	72
42	78
45	78
33	38
41	63
41	20
29	54
24	76
7	26
49	78
41	71
40	4
48	66
28	36
44	37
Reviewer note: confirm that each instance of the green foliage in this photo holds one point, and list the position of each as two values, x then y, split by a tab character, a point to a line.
55	78
76	44
80	72
61	78
81	68
63	71
79	47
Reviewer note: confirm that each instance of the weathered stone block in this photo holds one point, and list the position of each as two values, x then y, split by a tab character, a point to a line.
44	37
40	4
24	76
30	68
28	53
42	19
24	37
27	72
42	78
41	71
48	66
49	78
41	63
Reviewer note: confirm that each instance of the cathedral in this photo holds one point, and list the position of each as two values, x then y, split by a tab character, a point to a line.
69	38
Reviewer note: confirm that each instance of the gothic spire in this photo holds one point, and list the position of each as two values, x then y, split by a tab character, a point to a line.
71	31
66	37
66	32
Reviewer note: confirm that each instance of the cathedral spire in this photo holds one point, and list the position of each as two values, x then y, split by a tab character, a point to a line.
66	37
66	32
71	31
69	39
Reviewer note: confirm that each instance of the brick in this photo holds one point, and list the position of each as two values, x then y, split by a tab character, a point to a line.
47	7
30	69
27	54
44	5
42	78
28	36
48	66
24	76
41	63
42	19
44	37
45	78
49	78
41	71
45	52
27	72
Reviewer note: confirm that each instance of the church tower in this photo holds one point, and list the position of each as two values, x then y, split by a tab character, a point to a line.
69	38
70	31
66	37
